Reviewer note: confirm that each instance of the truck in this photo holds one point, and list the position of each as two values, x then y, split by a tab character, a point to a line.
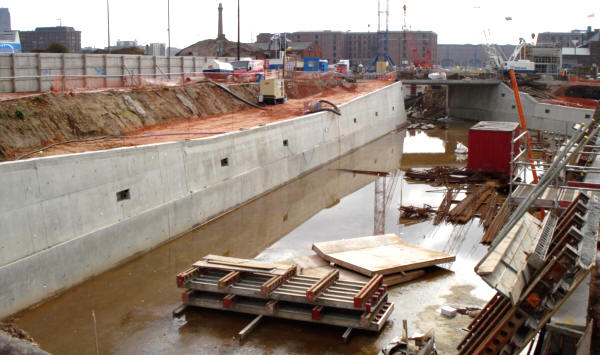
248	70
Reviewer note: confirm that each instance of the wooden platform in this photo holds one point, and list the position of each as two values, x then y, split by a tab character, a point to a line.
278	290
381	254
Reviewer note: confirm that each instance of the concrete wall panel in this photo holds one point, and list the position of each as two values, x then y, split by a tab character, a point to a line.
497	103
54	66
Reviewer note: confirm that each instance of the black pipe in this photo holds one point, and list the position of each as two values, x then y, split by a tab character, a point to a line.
237	97
331	103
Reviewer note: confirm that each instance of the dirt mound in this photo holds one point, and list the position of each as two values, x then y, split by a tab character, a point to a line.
62	124
299	89
39	120
209	48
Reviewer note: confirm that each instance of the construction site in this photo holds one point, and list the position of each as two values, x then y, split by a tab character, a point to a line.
213	204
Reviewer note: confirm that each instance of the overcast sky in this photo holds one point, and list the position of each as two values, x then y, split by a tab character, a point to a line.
455	21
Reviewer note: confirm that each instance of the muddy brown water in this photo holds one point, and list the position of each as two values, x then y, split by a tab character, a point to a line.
132	303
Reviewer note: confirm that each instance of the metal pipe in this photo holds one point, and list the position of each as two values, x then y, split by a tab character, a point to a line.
557	165
562	187
519	136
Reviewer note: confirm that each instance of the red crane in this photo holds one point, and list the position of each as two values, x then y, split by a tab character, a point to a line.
416	60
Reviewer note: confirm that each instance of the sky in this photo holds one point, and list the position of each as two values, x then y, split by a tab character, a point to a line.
455	21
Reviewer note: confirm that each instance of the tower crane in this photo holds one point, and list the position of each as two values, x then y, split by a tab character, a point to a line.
382	39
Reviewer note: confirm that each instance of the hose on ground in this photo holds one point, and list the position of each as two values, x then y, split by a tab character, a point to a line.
330	103
85	140
236	96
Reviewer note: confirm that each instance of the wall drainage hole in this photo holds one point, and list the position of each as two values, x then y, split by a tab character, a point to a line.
225	162
355	120
123	195
376	114
547	111
285	142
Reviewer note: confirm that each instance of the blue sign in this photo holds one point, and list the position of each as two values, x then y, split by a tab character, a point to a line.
7	47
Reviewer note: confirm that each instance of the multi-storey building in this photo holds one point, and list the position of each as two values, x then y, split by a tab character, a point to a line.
361	47
42	37
158	49
579	47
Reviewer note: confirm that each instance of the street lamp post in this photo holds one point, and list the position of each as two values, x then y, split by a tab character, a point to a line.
169	27
238	42
108	24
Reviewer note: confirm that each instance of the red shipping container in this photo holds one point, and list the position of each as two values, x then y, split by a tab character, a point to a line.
489	145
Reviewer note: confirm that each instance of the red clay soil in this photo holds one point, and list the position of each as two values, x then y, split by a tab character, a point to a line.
571	102
218	123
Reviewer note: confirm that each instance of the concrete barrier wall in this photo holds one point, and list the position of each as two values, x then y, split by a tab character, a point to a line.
24	72
61	221
497	103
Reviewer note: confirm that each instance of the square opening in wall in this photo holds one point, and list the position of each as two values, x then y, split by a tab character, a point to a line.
225	162
355	120
503	94
376	113
123	195
547	111
514	107
588	116
285	142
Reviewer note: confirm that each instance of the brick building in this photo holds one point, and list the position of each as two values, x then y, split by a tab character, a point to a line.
584	46
299	49
561	39
42	37
361	47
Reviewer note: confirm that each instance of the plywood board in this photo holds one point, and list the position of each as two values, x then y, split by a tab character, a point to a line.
501	268
228	263
313	265
380	254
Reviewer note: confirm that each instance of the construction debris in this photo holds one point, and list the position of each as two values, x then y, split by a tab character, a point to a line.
496	224
422	126
366	172
442	211
419	213
442	175
461	148
448	311
466	208
423	344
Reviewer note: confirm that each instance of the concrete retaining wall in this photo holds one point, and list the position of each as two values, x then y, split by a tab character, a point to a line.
24	72
497	103
61	221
